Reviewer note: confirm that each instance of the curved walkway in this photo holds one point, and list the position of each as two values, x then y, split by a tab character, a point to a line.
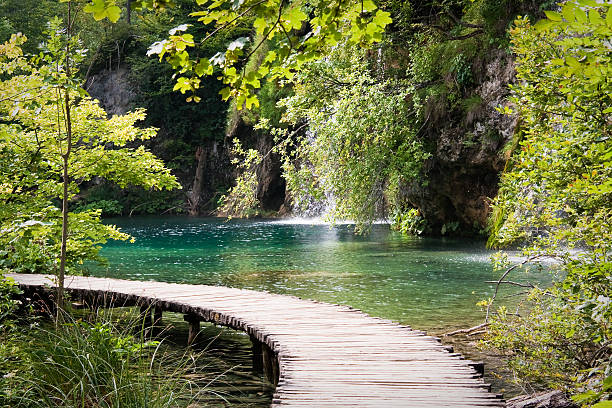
324	355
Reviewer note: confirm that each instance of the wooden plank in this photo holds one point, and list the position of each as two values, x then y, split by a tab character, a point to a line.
318	354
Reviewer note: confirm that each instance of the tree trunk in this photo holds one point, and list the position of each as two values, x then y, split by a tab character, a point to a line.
129	11
196	190
65	177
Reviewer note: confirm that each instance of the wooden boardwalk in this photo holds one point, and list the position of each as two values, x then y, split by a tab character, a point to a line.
318	354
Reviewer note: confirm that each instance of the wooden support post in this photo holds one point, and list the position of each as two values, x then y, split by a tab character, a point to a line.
478	366
194	327
275	369
270	364
267	362
256	348
157	319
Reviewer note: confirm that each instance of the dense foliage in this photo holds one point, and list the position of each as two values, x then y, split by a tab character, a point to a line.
8	301
557	197
361	120
368	87
360	144
48	150
301	30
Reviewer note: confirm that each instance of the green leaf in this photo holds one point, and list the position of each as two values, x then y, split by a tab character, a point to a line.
225	93
568	12
595	18
183	84
603	404
572	62
203	67
368	5
382	18
260	25
270	57
543	25
585	397
295	17
113	13
553	15
371	29
251	101
101	10
581	16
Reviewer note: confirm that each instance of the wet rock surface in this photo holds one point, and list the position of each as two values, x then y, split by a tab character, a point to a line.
467	144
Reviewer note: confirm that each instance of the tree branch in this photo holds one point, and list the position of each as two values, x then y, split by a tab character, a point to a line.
502	280
280	10
461	22
522	285
467	331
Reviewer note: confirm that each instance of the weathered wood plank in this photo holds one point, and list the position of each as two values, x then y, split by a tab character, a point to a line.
318	354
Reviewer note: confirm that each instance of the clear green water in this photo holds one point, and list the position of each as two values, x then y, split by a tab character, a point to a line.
430	284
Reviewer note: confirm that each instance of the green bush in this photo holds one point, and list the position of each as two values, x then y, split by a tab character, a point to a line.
8	302
410	222
556	201
108	207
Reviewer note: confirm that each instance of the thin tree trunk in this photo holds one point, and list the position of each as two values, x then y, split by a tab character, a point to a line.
65	177
62	270
196	189
129	12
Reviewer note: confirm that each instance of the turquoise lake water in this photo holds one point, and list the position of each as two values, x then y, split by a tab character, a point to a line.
430	284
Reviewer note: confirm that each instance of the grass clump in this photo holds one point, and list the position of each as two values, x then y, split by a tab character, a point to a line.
98	364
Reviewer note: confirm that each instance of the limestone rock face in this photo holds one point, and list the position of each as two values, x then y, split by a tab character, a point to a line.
467	144
211	169
466	139
113	89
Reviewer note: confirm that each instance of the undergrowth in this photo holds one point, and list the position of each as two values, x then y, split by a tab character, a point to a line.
94	362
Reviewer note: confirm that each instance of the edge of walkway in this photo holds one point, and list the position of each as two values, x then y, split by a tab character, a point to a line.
326	355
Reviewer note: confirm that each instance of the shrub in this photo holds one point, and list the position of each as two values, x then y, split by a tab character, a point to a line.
8	302
410	222
556	198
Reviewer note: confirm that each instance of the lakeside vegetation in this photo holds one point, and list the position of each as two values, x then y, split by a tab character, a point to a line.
323	80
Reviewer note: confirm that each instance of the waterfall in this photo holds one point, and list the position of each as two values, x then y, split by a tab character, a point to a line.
308	206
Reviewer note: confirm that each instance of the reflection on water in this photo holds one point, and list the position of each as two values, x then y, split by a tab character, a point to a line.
426	283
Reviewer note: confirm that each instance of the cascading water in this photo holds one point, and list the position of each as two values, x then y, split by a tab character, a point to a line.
309	206
320	208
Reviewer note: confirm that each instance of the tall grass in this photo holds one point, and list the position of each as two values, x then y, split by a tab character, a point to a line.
100	364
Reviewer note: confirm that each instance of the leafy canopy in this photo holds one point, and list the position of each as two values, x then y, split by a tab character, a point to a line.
301	29
34	143
361	143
